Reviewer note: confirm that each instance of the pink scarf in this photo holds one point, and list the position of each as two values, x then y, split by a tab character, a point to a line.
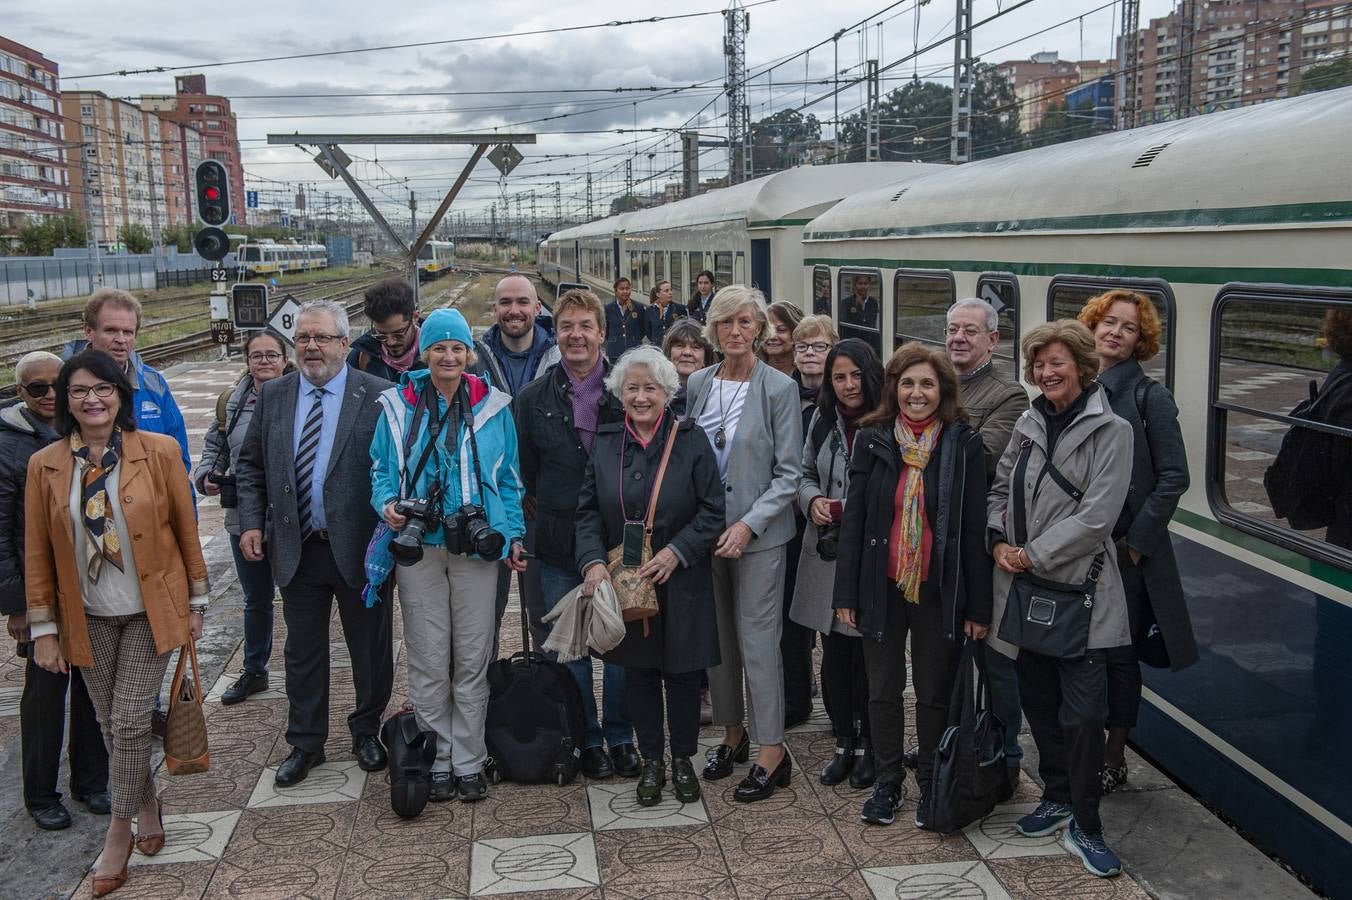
401	364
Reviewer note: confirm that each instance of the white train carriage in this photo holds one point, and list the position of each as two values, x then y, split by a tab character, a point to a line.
274	258
1238	225
435	259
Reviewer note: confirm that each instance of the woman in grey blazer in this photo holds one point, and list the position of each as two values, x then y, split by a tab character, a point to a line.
750	413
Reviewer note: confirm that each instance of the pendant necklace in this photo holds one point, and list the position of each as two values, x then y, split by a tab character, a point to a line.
720	435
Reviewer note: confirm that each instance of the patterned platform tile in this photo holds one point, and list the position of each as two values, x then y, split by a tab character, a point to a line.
540	863
996	838
180	881
515	810
405	872
632	858
292	832
9	700
615	806
332	782
935	881
1063	876
822	884
192	838
262	879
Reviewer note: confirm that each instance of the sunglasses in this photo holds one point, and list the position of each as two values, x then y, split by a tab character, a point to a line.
37	389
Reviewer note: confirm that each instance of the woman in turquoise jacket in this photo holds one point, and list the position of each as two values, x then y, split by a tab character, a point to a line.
445	476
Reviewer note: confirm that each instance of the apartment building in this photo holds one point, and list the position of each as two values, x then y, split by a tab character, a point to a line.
1044	79
34	182
208	114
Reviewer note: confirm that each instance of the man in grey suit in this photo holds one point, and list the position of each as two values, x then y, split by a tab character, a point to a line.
304	475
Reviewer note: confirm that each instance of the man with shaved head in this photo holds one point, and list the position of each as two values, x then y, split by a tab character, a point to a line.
511	353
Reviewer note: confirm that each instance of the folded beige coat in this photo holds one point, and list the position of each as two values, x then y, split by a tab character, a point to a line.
581	622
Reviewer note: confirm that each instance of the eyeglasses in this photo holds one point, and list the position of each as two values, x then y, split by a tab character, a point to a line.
102	390
37	389
271	356
970	330
322	340
387	336
814	346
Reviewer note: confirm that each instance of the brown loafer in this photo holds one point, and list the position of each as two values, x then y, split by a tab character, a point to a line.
150	844
106	884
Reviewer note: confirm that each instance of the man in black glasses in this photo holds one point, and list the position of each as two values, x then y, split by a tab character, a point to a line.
390	348
25	428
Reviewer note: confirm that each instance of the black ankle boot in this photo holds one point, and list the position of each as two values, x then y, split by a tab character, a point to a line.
864	773
842	762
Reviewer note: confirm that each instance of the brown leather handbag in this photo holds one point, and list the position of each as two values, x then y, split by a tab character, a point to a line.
185	732
638	596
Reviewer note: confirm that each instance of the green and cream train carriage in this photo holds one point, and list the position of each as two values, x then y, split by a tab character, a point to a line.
1238	225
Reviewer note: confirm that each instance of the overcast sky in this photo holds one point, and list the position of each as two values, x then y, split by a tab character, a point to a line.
88	38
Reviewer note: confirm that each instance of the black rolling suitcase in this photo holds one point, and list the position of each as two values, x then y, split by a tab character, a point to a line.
534	731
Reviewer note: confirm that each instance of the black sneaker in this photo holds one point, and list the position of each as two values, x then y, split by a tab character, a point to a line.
922	808
882	805
246	685
472	787
443	788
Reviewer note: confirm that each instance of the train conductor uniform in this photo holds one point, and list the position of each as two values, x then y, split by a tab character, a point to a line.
317	529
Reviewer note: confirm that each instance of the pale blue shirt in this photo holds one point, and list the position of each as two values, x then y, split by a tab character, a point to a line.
333	404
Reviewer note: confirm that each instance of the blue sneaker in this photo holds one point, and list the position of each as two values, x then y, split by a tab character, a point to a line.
1044	820
1092	851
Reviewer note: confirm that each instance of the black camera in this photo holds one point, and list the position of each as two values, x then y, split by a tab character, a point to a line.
468	532
229	495
828	542
407	546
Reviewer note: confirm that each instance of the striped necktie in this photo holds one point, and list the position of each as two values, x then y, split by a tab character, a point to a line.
305	460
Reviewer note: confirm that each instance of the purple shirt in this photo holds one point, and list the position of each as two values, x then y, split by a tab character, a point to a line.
586	395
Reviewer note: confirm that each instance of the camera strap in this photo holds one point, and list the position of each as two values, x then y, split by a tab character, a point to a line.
434	423
467	416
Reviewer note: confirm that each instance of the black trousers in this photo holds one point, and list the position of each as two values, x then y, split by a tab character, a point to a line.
532	597
42	726
795	644
1065	702
845	685
933	667
1124	670
643	695
307	607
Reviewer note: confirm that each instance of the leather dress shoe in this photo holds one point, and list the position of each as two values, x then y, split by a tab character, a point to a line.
296	766
595	763
684	784
624	760
51	818
370	755
651	782
842	761
719	760
760	785
246	685
911	758
865	773
99	803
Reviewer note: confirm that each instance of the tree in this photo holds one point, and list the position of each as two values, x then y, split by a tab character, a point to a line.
1325	76
136	239
41	238
778	140
624	204
1059	124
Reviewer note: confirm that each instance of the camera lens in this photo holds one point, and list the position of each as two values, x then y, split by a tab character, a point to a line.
407	544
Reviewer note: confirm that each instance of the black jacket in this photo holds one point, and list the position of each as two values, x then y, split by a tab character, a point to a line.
659	320
365	355
21	435
955	504
553	460
625	330
689	519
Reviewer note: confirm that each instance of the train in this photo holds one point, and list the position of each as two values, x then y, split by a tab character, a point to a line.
1238	226
273	258
435	259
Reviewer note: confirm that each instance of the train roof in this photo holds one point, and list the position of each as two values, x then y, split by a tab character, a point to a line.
1276	163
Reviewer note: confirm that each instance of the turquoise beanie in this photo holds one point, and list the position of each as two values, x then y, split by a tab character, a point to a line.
444	325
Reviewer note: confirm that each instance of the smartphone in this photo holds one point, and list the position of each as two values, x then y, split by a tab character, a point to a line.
836	508
633	544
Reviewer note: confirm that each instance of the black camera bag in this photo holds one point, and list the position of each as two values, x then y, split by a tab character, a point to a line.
411	753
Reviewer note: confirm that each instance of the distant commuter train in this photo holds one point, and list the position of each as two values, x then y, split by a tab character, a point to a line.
271	258
435	259
1238	225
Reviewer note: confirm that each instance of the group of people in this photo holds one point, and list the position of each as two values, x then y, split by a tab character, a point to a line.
805	491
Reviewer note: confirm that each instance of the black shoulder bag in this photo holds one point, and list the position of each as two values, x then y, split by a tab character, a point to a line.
1043	616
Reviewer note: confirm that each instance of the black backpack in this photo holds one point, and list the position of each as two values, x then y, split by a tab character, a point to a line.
969	765
1302	483
411	752
534	732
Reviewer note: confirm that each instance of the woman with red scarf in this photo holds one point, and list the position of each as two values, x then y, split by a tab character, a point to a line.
913	559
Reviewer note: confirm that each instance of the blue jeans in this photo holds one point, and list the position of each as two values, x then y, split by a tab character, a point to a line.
1003	675
255	579
555	582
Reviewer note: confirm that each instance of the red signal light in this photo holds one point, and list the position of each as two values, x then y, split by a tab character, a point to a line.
213	193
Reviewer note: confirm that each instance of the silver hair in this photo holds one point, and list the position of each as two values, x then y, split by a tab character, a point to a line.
330	307
30	360
992	317
727	303
650	358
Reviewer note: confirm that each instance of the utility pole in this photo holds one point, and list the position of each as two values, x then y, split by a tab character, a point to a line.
835	76
1187	37
736	23
534	226
689	163
154	211
629	179
413	211
872	151
558	205
1128	54
590	214
960	137
91	230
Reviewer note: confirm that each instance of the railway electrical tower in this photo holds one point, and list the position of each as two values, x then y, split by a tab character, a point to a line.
737	22
964	75
1128	52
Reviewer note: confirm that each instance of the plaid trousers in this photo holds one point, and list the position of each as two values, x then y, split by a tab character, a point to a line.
123	683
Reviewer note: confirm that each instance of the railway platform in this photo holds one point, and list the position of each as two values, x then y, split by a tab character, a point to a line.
231	833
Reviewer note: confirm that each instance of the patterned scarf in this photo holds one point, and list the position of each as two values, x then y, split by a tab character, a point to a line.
402	363
100	528
915	453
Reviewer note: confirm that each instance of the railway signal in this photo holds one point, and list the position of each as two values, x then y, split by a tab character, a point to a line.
213	209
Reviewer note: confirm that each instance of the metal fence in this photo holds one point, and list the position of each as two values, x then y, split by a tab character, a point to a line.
32	278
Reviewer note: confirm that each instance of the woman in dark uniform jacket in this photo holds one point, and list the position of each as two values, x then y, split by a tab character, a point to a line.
670	654
940	588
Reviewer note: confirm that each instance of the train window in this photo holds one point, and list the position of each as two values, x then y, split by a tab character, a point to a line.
920	302
821	291
677	275
860	306
739	268
1067	295
659	269
1280	441
1001	290
643	277
723	268
696	266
